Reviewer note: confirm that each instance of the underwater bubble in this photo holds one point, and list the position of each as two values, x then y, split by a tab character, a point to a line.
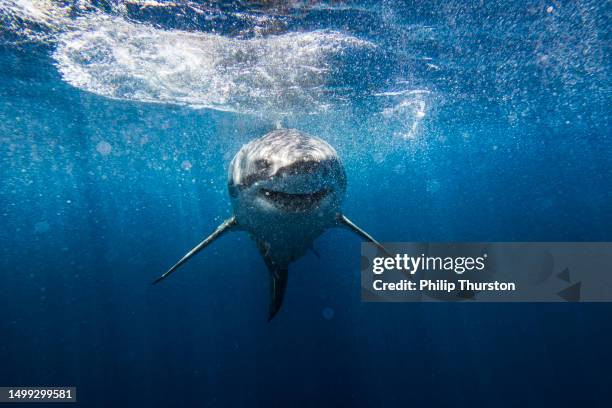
379	157
186	165
433	186
328	313
41	227
104	148
399	169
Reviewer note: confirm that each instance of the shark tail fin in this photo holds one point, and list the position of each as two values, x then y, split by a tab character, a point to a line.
278	285
342	220
221	229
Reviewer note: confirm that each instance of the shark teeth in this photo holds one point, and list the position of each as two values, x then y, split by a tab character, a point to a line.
294	202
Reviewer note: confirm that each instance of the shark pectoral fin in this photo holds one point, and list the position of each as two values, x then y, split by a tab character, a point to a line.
221	229
342	220
278	285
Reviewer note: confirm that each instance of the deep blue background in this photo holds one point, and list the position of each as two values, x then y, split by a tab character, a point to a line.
510	150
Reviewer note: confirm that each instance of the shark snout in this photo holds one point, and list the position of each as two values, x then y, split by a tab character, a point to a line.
302	186
303	167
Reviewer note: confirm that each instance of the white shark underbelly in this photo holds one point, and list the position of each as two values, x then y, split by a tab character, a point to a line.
285	238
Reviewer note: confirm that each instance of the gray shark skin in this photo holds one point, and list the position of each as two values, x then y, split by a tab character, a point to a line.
286	189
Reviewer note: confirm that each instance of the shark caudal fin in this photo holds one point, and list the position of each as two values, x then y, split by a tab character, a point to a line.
278	285
221	229
342	220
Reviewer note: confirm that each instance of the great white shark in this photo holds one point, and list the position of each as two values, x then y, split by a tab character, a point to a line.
286	189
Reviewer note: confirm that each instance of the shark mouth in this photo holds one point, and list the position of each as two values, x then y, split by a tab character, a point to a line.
295	202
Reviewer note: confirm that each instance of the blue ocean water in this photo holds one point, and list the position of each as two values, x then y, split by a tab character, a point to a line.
485	121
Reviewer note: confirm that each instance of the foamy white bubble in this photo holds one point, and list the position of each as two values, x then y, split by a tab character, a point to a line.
112	56
33	20
116	58
38	11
